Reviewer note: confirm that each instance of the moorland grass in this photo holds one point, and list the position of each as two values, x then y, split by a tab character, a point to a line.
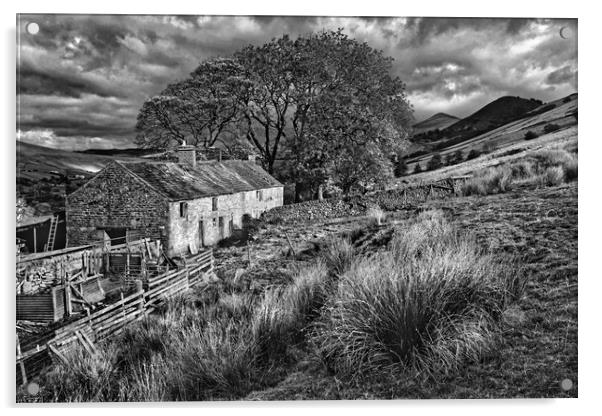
427	305
543	168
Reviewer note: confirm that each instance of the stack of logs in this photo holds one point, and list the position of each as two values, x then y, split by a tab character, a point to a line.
37	280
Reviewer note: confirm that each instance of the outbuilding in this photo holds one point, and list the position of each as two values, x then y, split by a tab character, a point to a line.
187	205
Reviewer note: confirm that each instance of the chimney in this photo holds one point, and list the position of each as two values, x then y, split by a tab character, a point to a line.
186	154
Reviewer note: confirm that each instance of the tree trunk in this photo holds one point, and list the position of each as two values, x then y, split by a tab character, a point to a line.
321	193
298	190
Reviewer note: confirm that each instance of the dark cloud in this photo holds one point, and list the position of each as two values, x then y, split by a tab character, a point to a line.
86	76
39	82
564	75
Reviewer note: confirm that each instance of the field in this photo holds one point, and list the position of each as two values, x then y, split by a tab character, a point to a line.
261	330
500	257
540	335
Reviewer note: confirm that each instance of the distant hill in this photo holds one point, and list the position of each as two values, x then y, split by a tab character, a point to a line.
561	112
130	152
438	121
36	162
493	115
46	175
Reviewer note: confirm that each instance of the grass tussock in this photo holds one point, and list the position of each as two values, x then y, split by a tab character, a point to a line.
427	306
376	215
338	255
491	181
83	378
543	168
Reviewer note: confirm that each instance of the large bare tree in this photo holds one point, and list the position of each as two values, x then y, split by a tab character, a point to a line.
200	110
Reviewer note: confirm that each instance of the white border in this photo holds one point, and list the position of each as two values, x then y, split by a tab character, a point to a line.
590	134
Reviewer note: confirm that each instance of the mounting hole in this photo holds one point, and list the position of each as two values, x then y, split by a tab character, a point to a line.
32	28
566	384
33	388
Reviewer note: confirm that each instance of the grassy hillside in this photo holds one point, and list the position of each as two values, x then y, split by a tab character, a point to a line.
45	175
561	113
36	162
438	121
325	321
493	115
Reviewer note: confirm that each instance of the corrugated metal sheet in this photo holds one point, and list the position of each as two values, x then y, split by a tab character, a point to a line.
182	182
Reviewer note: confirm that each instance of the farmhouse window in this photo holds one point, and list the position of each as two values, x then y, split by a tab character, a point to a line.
183	209
214	204
259	195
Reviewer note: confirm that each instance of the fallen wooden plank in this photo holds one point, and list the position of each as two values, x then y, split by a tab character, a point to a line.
84	344
58	354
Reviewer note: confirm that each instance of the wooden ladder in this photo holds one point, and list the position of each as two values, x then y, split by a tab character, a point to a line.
52	234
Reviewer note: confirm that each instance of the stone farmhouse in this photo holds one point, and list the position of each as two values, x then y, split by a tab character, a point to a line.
187	205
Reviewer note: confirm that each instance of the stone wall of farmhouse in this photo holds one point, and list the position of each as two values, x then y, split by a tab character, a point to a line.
199	216
115	199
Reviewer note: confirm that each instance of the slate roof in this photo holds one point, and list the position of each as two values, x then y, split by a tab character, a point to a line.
26	221
179	182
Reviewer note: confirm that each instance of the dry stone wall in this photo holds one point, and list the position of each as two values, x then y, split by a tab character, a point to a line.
389	200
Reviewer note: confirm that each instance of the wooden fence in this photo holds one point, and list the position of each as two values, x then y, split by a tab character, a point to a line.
49	305
111	320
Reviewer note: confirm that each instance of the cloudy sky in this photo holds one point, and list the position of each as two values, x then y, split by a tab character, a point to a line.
81	79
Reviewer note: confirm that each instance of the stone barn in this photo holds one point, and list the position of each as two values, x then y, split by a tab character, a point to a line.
186	205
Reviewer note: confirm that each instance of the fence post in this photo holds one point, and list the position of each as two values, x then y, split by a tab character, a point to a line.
21	363
122	306
68	306
140	291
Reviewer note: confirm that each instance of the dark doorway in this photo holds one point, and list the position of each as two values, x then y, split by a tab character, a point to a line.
201	234
246	219
117	235
221	227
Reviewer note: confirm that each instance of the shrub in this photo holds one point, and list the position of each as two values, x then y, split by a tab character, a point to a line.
429	306
571	170
435	162
473	187
522	169
530	135
501	180
549	128
401	168
448	159
458	157
487	148
417	168
491	181
473	154
556	157
553	176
